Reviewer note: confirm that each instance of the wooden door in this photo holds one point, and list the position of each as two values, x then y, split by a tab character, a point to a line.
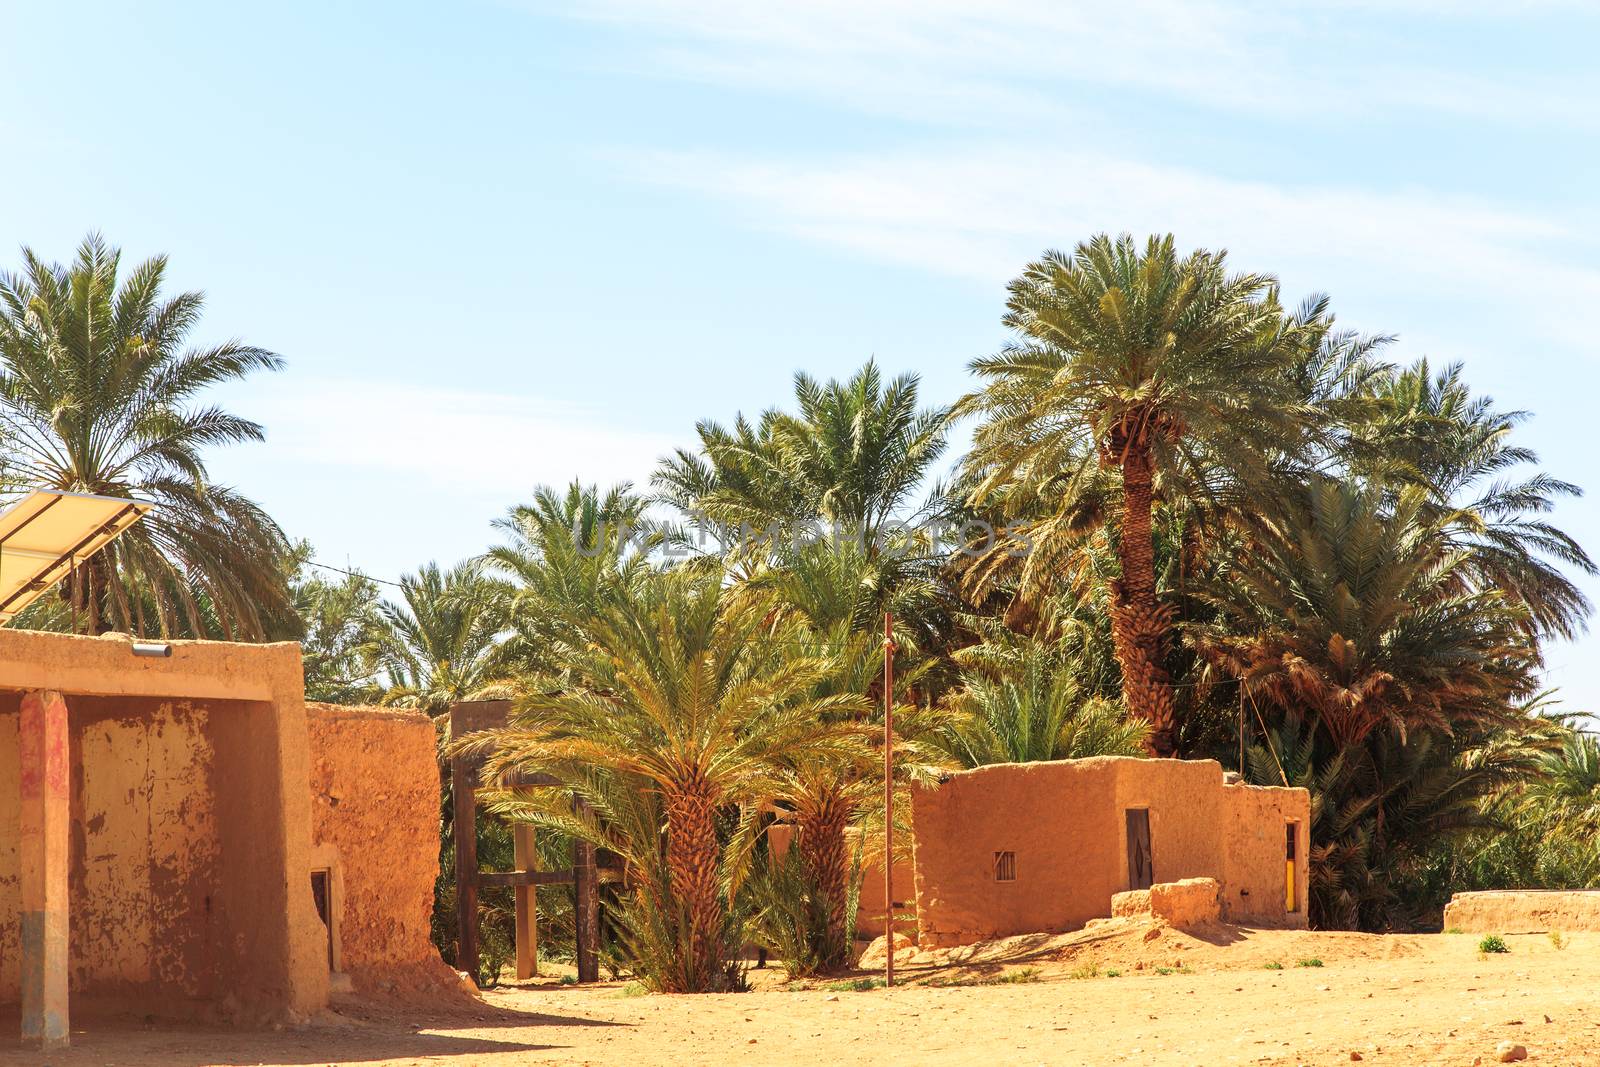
1141	865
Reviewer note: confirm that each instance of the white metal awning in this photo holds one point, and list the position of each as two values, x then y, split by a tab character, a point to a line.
46	534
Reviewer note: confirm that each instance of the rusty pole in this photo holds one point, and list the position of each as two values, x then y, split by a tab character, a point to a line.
888	795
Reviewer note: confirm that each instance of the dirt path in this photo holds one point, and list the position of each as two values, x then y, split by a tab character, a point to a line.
1395	1001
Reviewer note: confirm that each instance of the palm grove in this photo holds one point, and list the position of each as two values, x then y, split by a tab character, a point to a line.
1192	522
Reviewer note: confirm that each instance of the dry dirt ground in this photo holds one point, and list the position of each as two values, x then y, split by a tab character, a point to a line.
1209	996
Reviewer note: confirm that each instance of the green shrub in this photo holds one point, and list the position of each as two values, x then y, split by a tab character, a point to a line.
789	915
1309	963
1274	966
1494	944
855	985
1558	940
656	934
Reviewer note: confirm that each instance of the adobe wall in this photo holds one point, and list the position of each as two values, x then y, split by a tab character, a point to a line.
1053	816
190	826
1524	911
1253	845
870	909
1065	824
375	800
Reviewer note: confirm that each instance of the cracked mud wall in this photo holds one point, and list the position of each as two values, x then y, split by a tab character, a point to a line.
375	799
145	853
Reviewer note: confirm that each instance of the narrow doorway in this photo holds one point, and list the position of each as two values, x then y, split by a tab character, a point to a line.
322	894
1141	865
1291	898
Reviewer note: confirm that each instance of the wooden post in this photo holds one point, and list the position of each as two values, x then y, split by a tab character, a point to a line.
585	883
43	748
522	842
888	796
464	830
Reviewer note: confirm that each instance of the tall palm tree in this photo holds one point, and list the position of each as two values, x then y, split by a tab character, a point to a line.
697	697
441	644
99	394
1164	370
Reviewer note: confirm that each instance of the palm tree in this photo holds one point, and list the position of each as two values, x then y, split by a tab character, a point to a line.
1351	610
696	698
1426	428
851	457
442	643
1384	811
841	587
1566	792
1024	700
340	624
567	552
1163	369
98	394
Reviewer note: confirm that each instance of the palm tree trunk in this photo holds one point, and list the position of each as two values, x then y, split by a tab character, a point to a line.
825	854
98	587
84	591
1139	622
692	865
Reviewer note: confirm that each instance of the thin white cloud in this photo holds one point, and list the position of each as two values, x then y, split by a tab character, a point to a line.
953	61
450	441
981	210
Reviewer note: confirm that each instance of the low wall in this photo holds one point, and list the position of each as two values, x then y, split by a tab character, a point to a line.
1063	828
375	801
870	909
1524	911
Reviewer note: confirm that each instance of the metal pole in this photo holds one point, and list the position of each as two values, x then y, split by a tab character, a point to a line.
888	795
1242	775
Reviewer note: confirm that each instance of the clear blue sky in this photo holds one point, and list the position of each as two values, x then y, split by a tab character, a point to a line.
509	243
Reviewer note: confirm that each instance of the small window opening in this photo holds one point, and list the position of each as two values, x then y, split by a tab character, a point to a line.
1005	866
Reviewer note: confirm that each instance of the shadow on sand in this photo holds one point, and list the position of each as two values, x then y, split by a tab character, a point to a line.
354	1032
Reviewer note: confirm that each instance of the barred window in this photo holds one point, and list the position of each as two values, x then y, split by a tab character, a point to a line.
1005	866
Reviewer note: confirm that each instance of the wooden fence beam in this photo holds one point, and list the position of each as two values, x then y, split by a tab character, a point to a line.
464	830
526	856
586	884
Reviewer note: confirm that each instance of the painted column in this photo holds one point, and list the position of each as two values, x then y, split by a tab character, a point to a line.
42	743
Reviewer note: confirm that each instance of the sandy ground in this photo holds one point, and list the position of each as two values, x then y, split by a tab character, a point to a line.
1393	1000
